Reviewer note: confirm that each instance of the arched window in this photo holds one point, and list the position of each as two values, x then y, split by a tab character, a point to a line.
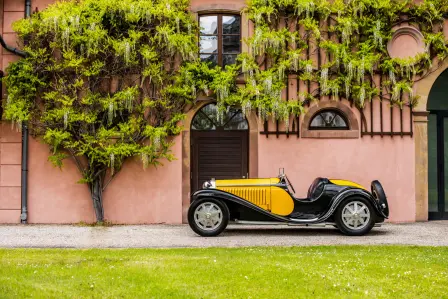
329	119
220	38
207	119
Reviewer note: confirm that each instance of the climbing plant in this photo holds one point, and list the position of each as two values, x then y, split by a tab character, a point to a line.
338	48
106	80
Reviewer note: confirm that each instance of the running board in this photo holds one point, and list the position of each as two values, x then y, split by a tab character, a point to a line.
323	224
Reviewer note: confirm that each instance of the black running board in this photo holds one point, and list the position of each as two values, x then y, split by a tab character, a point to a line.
321	224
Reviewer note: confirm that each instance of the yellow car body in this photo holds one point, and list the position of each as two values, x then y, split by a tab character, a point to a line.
272	201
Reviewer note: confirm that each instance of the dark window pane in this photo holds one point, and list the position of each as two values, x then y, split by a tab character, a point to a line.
208	44
231	44
209	24
328	120
201	122
211	111
318	121
213	59
228	59
207	119
231	24
338	121
238	122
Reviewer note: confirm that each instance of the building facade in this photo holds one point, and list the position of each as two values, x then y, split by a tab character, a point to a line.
403	148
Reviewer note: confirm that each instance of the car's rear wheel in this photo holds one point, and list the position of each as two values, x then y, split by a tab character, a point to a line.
208	217
355	216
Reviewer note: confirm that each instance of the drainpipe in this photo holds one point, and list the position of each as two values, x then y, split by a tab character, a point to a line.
1	89
24	190
24	180
11	49
27	8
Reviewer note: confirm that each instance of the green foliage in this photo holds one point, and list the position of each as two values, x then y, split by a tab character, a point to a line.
105	80
352	35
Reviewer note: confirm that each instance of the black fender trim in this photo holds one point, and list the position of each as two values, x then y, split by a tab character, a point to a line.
225	196
355	192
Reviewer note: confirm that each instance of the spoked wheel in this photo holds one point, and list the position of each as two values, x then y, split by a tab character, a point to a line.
355	216
208	217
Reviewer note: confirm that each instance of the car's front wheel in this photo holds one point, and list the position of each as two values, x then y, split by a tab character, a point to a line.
355	216
208	217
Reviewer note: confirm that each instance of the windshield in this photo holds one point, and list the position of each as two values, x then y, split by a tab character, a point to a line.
284	177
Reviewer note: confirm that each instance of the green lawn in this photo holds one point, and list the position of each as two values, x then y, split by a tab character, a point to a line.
293	272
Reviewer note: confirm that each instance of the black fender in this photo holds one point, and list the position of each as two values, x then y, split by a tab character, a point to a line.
380	196
349	192
229	198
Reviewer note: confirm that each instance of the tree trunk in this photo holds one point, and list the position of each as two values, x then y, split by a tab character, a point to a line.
96	192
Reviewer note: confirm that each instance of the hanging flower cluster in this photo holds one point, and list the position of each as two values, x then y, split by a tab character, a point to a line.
119	73
351	36
105	80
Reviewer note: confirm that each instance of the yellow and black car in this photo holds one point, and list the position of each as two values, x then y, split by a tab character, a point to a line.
340	203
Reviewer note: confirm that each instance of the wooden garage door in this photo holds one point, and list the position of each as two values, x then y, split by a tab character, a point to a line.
219	149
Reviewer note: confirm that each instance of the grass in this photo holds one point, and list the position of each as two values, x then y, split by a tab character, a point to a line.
293	272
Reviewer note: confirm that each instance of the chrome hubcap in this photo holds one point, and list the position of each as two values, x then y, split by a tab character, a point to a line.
355	215
208	216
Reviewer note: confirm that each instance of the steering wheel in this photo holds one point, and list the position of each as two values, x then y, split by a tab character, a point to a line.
288	183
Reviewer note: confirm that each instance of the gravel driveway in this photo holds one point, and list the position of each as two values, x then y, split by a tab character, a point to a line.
433	233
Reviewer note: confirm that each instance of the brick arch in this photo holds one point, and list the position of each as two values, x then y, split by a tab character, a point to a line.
186	151
353	131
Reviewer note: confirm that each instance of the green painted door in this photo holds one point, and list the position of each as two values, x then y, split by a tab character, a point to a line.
438	164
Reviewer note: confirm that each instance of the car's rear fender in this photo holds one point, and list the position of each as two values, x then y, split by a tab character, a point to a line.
354	192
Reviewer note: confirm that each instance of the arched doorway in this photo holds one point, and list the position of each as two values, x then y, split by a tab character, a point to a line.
438	149
219	145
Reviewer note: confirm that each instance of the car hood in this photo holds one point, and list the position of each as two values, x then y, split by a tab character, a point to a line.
247	182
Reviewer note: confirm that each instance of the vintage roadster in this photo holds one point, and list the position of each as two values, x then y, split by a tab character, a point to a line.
339	203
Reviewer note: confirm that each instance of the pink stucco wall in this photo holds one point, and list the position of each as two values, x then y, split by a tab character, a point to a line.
54	195
10	139
362	160
391	161
134	196
147	196
10	158
155	195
